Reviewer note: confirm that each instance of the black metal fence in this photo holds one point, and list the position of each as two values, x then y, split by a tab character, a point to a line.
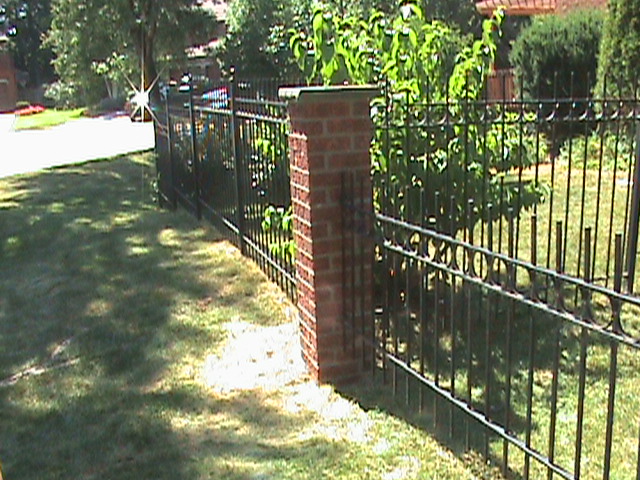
471	164
505	241
223	155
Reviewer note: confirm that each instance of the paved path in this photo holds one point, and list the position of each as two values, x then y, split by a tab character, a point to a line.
74	142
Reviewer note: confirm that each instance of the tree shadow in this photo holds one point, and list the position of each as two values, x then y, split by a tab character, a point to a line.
495	354
95	281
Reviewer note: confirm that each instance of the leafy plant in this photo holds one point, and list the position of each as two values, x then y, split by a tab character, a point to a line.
279	221
431	73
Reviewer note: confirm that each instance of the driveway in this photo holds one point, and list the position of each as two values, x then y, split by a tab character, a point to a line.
74	142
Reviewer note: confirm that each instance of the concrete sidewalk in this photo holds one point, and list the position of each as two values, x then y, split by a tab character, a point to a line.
74	142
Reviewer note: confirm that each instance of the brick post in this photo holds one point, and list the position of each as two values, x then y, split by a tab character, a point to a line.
330	140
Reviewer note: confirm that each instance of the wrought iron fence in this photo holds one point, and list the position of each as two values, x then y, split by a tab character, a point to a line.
223	155
471	164
505	244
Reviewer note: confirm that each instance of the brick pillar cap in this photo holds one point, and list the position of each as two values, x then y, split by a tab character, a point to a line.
320	93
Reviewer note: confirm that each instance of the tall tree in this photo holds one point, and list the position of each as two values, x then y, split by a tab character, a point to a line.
86	32
619	60
462	13
27	21
257	43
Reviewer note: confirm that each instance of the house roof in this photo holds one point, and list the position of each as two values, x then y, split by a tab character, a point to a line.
536	7
517	7
565	5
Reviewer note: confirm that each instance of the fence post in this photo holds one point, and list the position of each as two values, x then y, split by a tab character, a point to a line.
634	218
331	134
194	153
172	197
238	164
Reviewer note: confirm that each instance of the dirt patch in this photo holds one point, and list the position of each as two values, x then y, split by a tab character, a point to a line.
256	357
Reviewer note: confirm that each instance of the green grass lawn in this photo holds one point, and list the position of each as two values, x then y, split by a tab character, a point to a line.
109	308
48	118
601	207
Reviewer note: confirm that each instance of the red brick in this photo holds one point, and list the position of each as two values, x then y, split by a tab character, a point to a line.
305	274
329	245
328	278
331	213
310	126
326	294
348	160
320	264
332	143
303	243
317	195
334	309
300	209
340	373
303	195
322	109
361	109
331	340
299	177
308	332
334	195
316	160
349	125
330	179
361	142
308	312
299	158
339	133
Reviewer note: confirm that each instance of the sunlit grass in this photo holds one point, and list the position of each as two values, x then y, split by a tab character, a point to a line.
491	332
48	118
109	308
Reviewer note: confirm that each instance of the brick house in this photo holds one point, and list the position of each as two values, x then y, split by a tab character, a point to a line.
8	83
501	83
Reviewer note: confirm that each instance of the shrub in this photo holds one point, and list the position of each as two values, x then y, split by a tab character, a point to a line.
620	49
611	151
556	56
63	94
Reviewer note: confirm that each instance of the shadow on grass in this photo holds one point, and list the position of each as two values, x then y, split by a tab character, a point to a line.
106	304
504	359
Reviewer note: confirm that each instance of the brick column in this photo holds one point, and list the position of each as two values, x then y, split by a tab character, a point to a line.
330	140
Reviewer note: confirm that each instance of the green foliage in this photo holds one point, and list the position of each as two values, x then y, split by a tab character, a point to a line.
87	35
606	150
279	221
619	61
404	48
259	30
256	42
31	20
114	70
63	94
462	13
556	56
427	66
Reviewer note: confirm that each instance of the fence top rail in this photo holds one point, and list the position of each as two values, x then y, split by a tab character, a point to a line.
594	108
541	111
556	279
553	275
